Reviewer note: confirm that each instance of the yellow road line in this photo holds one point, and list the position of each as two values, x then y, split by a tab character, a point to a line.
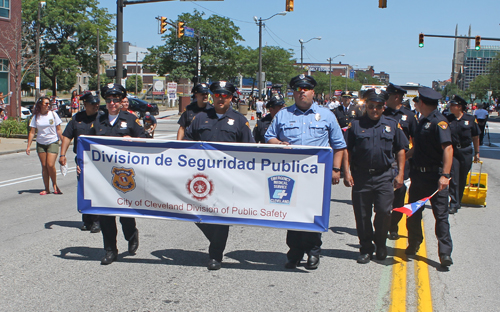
424	297
398	287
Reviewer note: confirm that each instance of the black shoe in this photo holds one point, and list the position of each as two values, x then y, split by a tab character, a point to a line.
412	249
109	257
452	211
393	236
85	227
312	263
364	258
445	260
133	243
291	264
213	265
95	228
381	252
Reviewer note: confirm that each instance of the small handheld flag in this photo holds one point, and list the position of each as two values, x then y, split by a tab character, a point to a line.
411	208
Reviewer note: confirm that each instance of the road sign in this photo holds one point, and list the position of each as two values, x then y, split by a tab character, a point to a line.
158	85
188	32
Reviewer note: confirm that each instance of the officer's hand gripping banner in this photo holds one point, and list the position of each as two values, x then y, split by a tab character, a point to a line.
223	183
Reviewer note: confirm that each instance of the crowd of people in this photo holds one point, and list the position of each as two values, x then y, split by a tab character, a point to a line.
379	147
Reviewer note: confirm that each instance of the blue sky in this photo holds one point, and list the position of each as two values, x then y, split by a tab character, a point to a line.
384	38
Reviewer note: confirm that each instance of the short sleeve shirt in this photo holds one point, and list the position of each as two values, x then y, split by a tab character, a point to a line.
46	127
191	110
261	127
79	124
126	124
463	129
406	119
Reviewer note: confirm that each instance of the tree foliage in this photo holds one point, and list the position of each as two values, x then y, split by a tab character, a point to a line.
338	83
364	78
68	37
104	81
130	84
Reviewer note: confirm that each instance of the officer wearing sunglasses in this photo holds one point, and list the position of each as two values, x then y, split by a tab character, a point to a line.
306	123
200	103
219	123
372	143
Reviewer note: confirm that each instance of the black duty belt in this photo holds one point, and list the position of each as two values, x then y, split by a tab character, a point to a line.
370	171
462	145
427	169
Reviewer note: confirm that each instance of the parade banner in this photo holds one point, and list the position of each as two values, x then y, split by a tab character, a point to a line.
266	185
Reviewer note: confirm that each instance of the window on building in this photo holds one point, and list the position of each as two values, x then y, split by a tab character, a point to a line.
4	78
5	8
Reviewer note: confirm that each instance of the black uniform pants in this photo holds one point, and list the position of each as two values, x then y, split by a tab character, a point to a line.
372	192
217	235
109	230
482	125
423	184
462	163
303	242
399	201
87	219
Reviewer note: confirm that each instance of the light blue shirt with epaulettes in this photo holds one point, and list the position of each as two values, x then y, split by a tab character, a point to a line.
317	126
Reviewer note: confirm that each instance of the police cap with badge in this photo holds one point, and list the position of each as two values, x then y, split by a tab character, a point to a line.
457	100
90	97
113	89
302	81
346	94
276	100
392	88
222	87
200	88
429	96
375	95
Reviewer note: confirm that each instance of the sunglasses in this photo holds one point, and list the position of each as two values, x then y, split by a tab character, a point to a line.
299	89
223	95
371	106
115	101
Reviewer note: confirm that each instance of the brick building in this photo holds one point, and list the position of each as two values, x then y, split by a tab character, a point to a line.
10	35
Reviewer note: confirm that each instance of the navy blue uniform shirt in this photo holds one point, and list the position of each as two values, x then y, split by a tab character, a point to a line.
191	110
406	119
463	130
125	124
373	143
79	124
231	127
259	131
344	118
432	132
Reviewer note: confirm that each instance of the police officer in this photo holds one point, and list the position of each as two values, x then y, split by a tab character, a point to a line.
219	123
408	122
305	123
79	124
150	123
464	131
346	112
115	122
372	141
430	170
275	104
200	94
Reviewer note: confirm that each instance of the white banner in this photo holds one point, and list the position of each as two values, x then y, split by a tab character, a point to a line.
223	183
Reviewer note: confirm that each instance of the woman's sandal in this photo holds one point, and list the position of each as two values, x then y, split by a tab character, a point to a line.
44	193
58	192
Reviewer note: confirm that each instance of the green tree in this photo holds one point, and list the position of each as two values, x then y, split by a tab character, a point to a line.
364	78
219	37
452	89
494	76
130	83
104	81
338	83
479	87
68	38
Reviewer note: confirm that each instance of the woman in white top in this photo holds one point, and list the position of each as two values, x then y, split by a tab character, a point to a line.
48	125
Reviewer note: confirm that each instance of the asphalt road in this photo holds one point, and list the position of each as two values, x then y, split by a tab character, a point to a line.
48	264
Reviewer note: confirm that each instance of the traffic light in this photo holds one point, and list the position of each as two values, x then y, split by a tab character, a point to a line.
163	24
478	43
421	40
382	4
180	29
289	5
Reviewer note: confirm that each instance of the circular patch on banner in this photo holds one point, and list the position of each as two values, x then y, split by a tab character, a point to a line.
200	187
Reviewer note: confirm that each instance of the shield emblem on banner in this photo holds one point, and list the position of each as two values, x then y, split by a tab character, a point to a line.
123	179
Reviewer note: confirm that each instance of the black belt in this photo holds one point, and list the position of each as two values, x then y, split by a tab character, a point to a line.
427	169
370	171
464	145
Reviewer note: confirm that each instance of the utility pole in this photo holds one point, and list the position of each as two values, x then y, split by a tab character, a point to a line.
98	63
37	72
119	41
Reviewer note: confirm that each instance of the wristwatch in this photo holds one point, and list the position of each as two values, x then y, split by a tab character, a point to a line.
446	175
336	169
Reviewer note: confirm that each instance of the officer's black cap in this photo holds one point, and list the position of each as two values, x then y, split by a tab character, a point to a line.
113	88
392	88
415	99
89	97
222	87
376	95
429	95
303	81
200	88
455	99
346	94
276	100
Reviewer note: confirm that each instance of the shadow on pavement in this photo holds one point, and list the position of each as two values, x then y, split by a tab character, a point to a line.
70	224
81	253
341	230
344	201
30	191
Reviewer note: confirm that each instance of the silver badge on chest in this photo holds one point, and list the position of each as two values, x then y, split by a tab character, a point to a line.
387	129
404	117
317	116
230	121
466	122
427	125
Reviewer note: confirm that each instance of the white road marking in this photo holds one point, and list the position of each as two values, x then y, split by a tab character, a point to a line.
29	178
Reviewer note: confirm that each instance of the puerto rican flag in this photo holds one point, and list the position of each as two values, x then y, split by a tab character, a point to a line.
411	208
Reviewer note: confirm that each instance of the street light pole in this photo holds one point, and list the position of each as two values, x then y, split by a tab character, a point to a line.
37	73
119	41
259	23
302	50
330	60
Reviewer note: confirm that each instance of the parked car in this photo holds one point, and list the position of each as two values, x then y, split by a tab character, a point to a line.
25	112
142	107
63	107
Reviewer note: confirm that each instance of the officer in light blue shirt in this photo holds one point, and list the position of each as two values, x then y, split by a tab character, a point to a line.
306	123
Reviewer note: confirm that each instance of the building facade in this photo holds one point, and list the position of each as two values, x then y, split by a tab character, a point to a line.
476	63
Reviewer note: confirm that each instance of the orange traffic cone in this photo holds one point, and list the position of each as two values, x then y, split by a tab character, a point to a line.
253	117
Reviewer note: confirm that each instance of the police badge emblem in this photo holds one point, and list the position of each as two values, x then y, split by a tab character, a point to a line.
230	121
387	129
123	179
427	125
404	117
317	116
302	76
123	124
466	122
111	85
377	91
222	84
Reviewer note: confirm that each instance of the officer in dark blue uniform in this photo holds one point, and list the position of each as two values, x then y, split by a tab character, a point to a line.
275	104
408	123
119	123
80	124
464	131
219	124
432	156
372	142
346	112
200	103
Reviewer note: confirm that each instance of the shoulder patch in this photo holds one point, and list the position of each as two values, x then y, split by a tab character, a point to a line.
138	122
443	125
247	124
399	125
